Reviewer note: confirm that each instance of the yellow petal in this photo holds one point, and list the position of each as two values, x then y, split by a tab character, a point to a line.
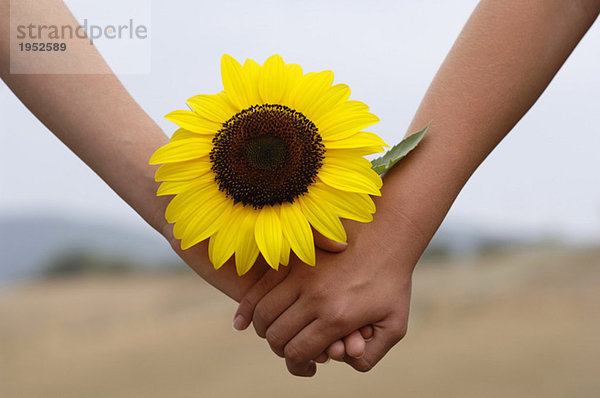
349	180
227	102
188	201
212	107
349	205
195	201
343	157
310	87
174	187
246	250
322	218
235	82
358	140
191	121
362	200
345	107
183	134
345	120
252	70
209	218
222	244
181	171
294	75
284	256
219	254
268	234
296	230
181	150
358	165
272	80
330	98
362	151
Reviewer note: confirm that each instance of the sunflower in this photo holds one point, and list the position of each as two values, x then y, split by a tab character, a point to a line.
256	166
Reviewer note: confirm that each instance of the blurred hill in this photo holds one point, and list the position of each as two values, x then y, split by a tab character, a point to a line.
27	245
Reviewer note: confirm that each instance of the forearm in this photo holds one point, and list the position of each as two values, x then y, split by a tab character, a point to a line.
106	129
505	57
93	115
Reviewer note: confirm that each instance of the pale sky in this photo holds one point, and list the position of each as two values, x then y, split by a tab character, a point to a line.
543	178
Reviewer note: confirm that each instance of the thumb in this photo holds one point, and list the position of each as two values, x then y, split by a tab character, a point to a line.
327	244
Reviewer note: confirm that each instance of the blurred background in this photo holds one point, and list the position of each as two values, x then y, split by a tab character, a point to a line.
506	300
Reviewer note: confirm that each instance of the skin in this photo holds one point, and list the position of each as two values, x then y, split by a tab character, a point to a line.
506	55
95	116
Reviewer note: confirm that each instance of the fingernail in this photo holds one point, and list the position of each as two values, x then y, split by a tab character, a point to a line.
359	357
239	322
369	339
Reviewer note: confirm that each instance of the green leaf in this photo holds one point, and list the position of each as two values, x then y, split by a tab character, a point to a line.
398	151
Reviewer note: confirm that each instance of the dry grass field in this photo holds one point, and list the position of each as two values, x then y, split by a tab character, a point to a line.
522	324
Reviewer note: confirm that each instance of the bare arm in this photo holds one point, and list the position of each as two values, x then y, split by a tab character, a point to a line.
96	118
504	58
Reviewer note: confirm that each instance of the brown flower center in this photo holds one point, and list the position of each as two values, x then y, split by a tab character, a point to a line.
266	154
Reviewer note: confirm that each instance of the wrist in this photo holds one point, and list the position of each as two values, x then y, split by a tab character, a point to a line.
416	196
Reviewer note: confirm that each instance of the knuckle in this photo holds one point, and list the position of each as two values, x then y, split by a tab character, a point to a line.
337	319
280	274
261	312
293	354
338	314
363	366
259	331
274	339
399	331
402	333
319	292
295	372
277	352
259	324
264	284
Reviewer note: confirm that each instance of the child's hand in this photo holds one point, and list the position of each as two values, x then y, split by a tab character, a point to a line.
312	307
352	345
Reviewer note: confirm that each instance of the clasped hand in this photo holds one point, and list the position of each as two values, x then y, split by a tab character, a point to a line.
353	306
